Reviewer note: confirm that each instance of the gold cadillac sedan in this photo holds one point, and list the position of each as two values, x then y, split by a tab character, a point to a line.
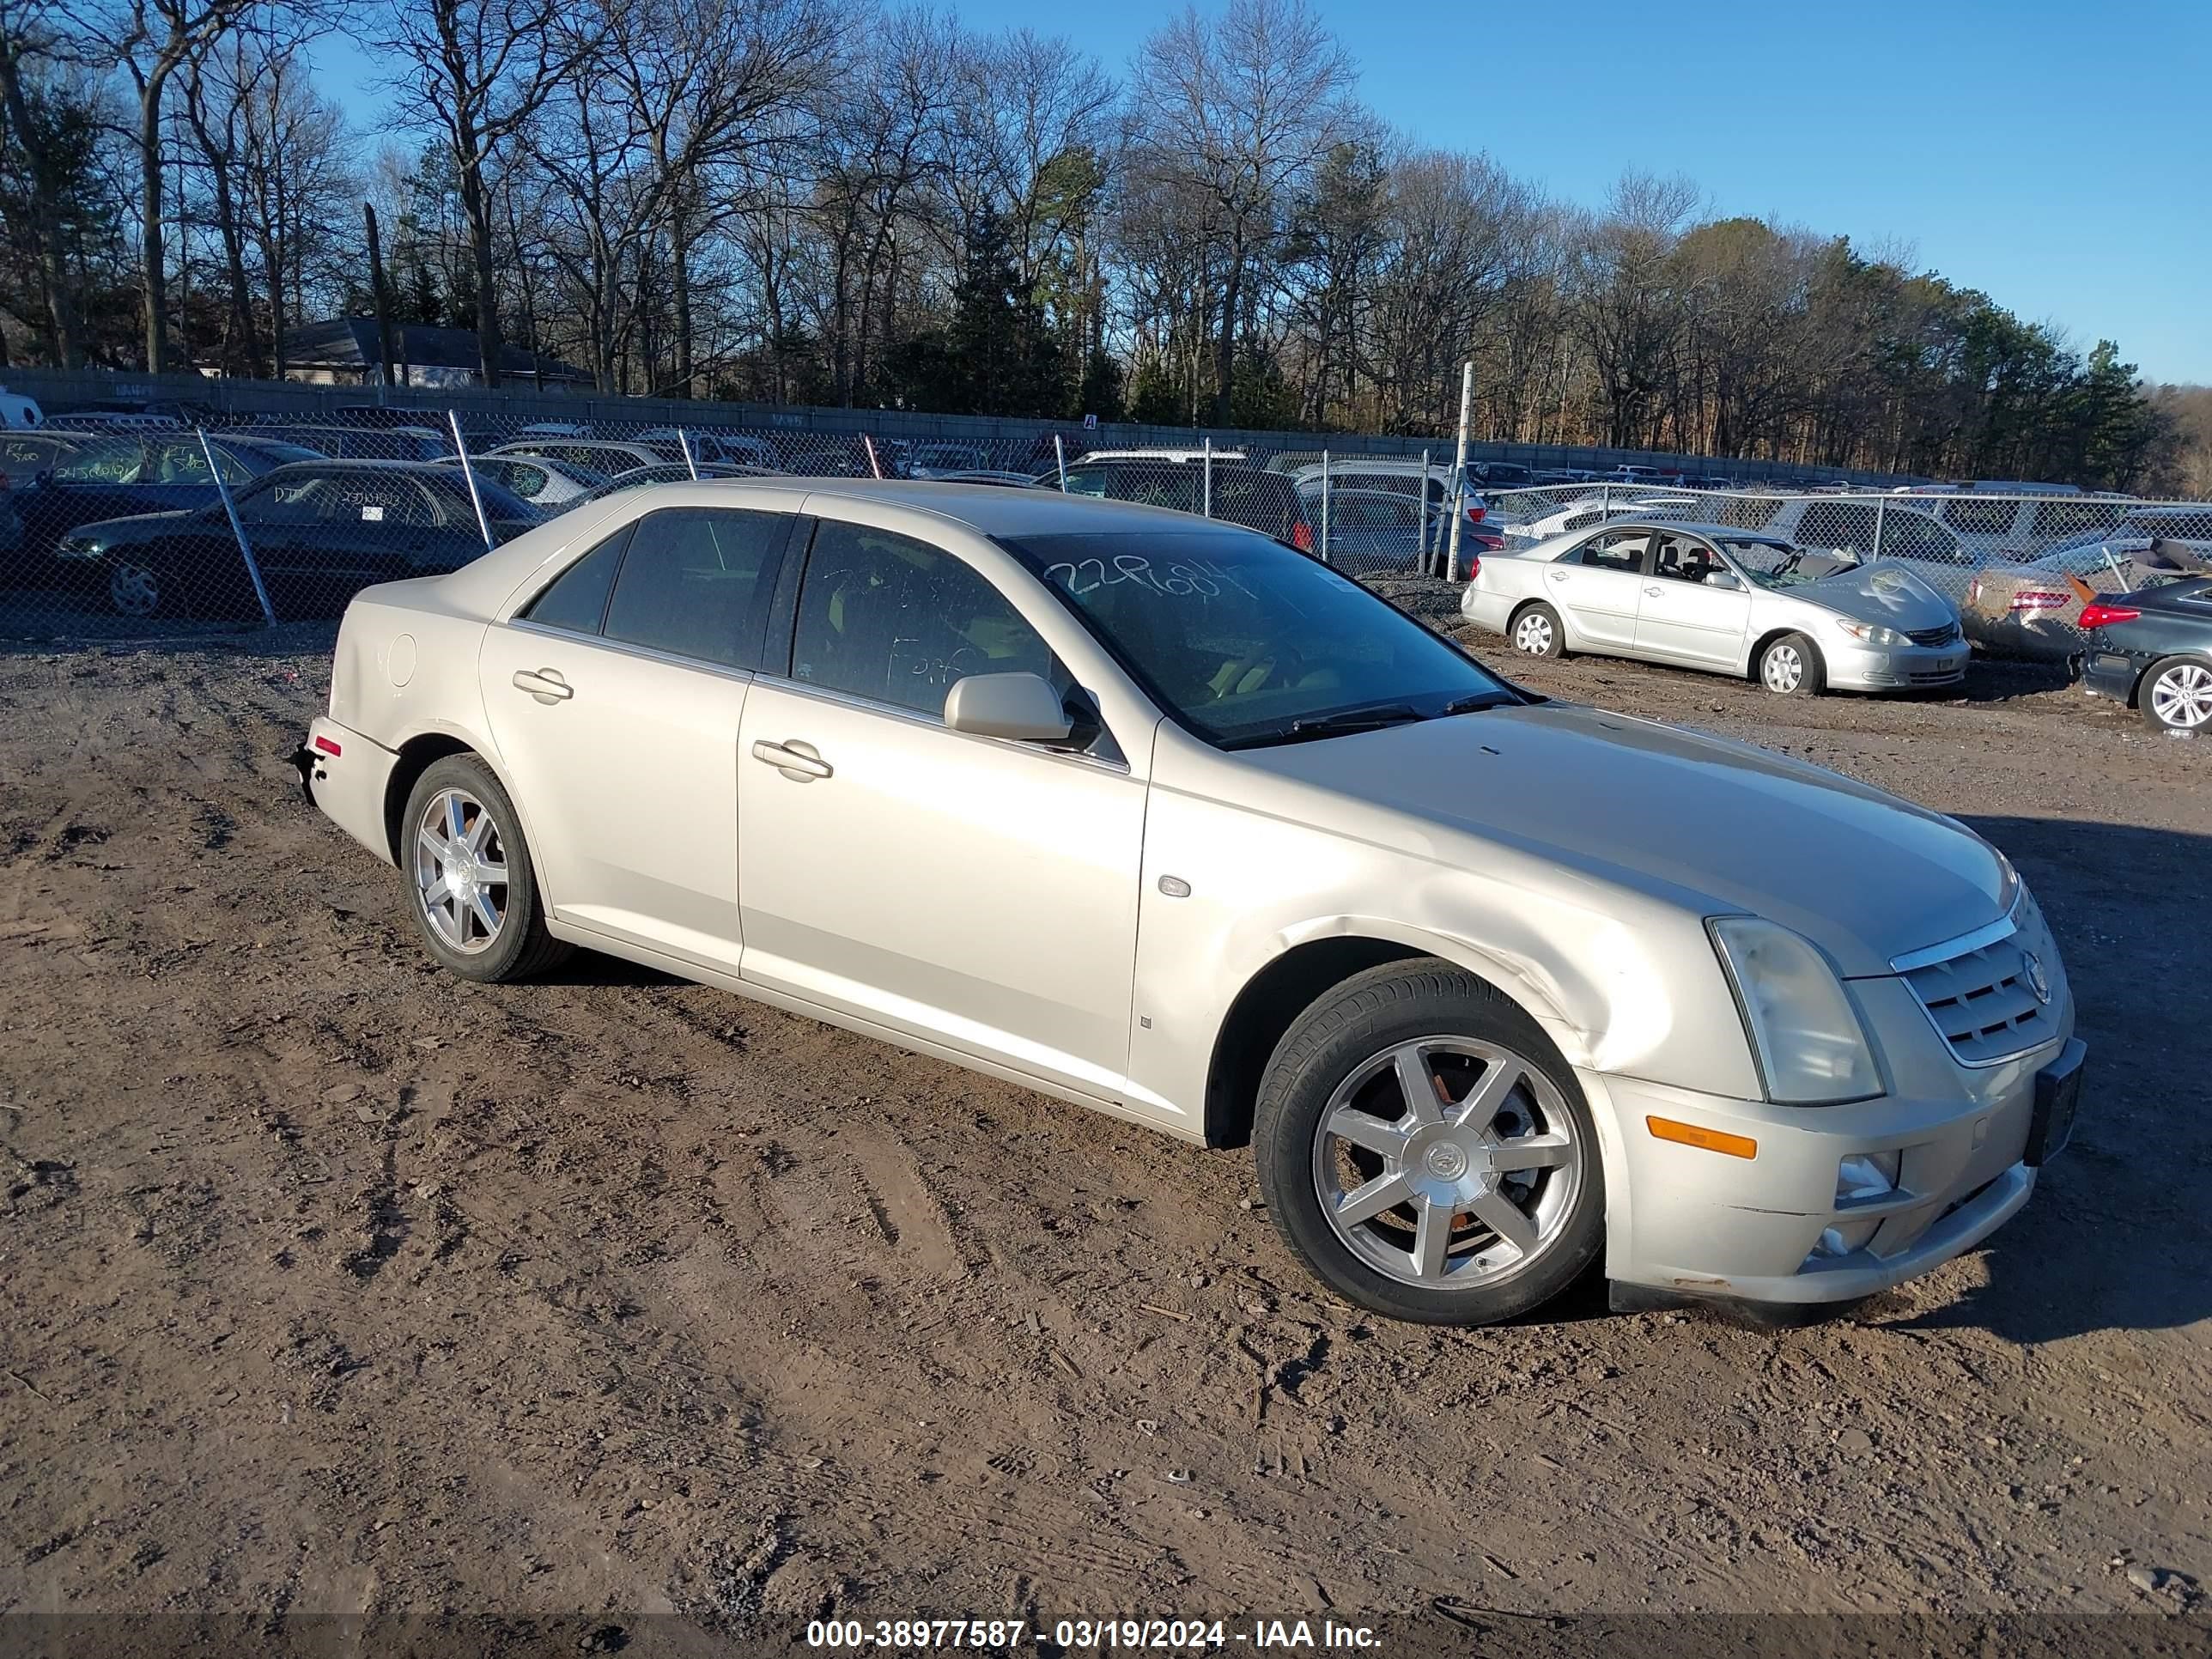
1161	817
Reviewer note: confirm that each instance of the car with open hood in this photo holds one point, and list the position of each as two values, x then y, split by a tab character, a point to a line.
1158	817
1728	601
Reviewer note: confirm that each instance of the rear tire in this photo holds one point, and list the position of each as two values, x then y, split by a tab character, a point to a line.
1425	1152
2176	696
1792	667
471	889
1537	632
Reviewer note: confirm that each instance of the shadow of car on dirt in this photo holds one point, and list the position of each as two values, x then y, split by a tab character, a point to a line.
2119	1235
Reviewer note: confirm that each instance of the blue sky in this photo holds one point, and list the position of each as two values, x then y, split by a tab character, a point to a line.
2057	156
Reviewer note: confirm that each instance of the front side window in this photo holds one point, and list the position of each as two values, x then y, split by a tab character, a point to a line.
697	582
1829	524
105	461
1247	643
894	620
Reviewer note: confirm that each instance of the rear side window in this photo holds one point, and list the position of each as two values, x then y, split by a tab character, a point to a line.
2056	519
577	600
894	620
107	461
1616	549
1835	524
697	582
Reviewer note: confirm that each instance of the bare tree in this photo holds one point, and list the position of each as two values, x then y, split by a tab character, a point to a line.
473	74
31	35
1229	114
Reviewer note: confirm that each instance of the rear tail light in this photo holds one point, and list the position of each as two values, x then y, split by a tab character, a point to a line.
1476	506
1473	566
1302	536
2040	598
1974	591
2100	616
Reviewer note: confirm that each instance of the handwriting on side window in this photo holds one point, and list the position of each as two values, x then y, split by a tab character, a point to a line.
1181	580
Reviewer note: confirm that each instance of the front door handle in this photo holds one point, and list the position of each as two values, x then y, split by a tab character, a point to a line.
544	684
1654	593
1557	575
801	763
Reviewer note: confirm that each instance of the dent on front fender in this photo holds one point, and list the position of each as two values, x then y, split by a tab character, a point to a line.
1622	982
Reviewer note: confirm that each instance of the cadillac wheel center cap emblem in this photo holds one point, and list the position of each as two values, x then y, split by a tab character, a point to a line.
2038	981
1446	1161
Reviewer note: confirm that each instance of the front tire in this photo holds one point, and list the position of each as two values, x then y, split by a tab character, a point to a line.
1537	633
471	889
2176	696
1426	1152
1792	667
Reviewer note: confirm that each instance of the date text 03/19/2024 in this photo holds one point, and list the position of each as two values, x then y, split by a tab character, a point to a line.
1082	1635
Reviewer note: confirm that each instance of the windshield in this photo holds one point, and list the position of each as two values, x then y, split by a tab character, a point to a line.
1247	643
1777	565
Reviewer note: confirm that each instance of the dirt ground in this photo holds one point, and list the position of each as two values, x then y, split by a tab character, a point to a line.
331	1284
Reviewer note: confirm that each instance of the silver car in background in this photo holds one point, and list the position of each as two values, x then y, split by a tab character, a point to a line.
1190	829
1725	600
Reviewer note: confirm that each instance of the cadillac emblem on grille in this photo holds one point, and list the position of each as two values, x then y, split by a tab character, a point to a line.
2038	981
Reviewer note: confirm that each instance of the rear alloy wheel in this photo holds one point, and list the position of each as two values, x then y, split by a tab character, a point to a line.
1424	1149
474	895
2176	696
134	590
1536	631
1792	667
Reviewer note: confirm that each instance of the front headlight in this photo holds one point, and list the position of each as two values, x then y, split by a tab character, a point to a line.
1805	1034
1870	633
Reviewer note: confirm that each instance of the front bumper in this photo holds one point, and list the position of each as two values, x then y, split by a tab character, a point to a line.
1895	668
348	776
1773	1228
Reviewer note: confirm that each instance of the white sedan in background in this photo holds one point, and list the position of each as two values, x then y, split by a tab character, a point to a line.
1731	601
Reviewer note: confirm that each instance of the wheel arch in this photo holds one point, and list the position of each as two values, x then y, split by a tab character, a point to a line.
1310	964
416	755
1779	632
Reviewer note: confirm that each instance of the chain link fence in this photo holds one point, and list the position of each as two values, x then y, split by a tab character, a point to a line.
128	526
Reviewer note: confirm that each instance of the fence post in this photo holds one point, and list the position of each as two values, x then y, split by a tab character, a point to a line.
1881	522
1421	495
1207	509
1324	507
1605	500
469	472
238	529
875	467
683	443
1060	461
1459	468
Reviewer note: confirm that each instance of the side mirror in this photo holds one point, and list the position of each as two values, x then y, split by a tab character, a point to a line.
1021	707
1726	578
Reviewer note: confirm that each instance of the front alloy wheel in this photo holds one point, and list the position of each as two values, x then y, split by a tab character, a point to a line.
1425	1149
134	590
1446	1161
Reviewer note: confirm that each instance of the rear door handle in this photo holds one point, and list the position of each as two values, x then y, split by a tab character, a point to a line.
1654	593
544	684
801	763
1557	575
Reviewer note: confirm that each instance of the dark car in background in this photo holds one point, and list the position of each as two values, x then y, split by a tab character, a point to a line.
24	455
1258	500
2152	650
320	531
358	443
116	475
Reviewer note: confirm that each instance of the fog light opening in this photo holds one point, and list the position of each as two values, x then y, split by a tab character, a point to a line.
1864	1176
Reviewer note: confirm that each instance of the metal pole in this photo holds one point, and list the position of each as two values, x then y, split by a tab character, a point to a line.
1324	507
1421	495
875	467
1208	505
237	529
1459	467
684	444
469	472
1060	461
1880	521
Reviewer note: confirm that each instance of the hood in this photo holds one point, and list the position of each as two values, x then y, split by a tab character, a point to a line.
1883	593
1713	825
139	527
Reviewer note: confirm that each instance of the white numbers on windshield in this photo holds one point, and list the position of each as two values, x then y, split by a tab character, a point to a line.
1177	582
